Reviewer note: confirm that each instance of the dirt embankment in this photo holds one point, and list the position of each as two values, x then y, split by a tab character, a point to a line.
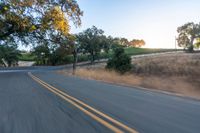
177	73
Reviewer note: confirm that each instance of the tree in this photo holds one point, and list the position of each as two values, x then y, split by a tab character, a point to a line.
121	41
53	52
124	42
187	34
38	21
120	61
91	42
24	17
42	53
183	40
136	43
9	53
72	41
117	41
197	44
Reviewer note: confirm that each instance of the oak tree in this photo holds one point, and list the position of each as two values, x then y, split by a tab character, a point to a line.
187	35
91	41
23	17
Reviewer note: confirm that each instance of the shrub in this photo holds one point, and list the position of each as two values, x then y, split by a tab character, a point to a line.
120	61
190	49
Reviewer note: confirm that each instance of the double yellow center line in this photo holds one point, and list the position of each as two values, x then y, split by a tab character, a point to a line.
90	111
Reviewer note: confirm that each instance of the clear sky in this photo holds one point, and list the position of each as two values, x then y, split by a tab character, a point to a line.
155	21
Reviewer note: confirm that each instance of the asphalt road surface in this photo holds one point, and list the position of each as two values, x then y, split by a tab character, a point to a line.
46	102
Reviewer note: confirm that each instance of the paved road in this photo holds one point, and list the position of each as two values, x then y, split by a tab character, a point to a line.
28	107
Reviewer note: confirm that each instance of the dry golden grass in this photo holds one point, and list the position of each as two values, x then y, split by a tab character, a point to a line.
108	76
180	64
174	84
173	73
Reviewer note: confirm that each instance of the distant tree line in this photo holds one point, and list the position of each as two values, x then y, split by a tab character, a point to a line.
91	42
58	50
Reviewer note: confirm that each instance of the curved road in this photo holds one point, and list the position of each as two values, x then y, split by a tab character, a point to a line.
46	102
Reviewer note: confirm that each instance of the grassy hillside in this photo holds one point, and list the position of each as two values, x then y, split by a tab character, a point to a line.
138	51
26	57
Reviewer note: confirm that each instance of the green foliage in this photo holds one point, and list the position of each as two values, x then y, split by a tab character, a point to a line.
120	61
42	53
27	57
190	48
46	54
124	42
43	22
188	34
24	17
92	41
64	56
9	54
138	51
30	22
197	44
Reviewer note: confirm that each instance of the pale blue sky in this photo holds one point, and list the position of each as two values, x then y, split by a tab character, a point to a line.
155	21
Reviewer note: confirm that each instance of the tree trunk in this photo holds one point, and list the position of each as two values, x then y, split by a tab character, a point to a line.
93	58
75	61
191	47
9	64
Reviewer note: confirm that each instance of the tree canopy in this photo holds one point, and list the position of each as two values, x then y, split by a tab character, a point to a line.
188	35
19	18
136	43
91	41
9	53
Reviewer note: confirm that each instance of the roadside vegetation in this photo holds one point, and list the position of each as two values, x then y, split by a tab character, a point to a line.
26	56
68	58
176	73
120	61
90	45
9	55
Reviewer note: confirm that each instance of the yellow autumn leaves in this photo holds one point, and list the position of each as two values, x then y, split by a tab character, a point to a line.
52	18
22	3
57	19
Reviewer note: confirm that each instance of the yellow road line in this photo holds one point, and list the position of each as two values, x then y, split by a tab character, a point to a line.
108	125
85	105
